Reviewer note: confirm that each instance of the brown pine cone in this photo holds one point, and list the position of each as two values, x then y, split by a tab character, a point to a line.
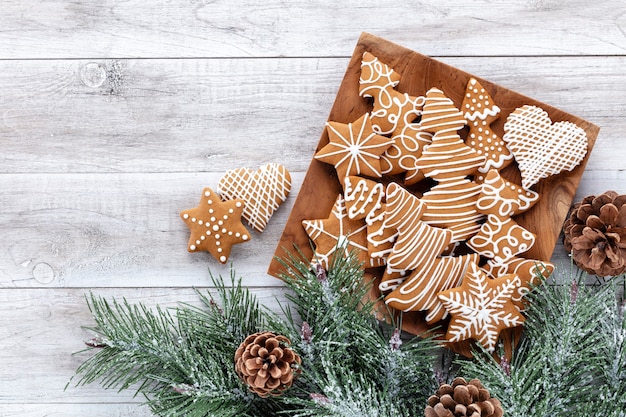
595	234
266	363
463	399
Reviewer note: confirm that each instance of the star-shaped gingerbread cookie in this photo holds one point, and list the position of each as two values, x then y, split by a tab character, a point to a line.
338	234
481	307
354	148
215	225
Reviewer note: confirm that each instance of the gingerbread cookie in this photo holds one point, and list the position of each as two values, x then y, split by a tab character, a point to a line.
480	111
448	157
452	204
540	147
375	76
263	191
530	272
481	307
215	225
418	292
354	148
339	233
503	198
380	235
416	240
439	113
363	198
392	109
500	239
409	142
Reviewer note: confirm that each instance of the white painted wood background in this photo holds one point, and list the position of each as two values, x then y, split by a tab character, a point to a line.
115	114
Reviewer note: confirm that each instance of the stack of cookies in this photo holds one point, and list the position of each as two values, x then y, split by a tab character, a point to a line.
424	198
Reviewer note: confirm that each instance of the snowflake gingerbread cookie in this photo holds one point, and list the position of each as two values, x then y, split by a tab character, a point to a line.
339	235
354	148
481	307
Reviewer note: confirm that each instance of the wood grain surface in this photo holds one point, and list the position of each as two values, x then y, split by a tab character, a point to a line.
115	114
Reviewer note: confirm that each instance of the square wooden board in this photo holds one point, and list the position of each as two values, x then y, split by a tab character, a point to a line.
420	73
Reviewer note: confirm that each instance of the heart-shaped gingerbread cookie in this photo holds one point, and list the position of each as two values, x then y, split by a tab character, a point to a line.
263	191
540	147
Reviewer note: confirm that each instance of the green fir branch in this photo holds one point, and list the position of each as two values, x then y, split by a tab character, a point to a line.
569	359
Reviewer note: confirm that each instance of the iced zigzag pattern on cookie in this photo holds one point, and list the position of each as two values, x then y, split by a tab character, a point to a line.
416	240
452	204
263	191
419	290
439	113
363	198
447	157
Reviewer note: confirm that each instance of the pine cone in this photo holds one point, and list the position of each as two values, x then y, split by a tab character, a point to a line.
266	363
463	399
595	234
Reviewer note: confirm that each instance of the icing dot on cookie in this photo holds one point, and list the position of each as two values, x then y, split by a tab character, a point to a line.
224	230
212	219
207	193
238	204
219	249
200	222
185	216
198	242
193	219
223	258
192	247
231	211
210	201
203	237
211	211
217	243
216	227
208	233
221	222
217	236
244	237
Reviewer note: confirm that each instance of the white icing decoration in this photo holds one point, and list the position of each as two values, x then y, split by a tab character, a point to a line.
542	148
263	191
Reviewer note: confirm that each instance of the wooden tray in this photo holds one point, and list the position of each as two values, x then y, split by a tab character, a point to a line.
419	73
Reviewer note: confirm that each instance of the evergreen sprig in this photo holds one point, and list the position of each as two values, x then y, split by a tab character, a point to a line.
570	359
181	359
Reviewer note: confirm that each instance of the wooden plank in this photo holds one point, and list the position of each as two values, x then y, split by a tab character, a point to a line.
41	334
117	230
222	28
75	410
213	115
